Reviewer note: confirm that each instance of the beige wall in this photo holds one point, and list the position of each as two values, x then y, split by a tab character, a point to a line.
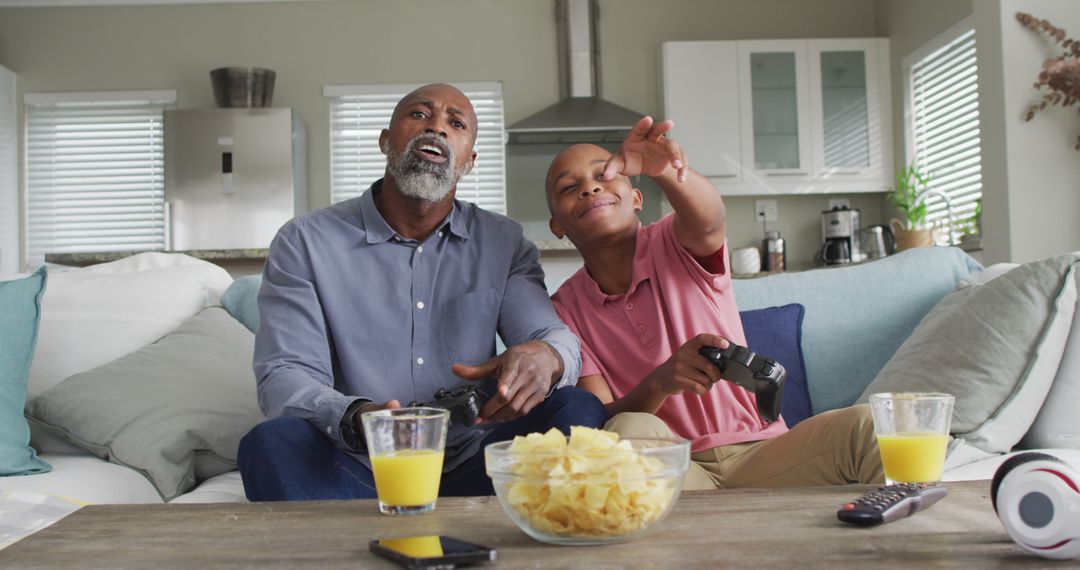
909	24
1034	190
311	44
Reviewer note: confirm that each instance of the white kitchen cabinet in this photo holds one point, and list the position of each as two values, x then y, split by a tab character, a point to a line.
774	90
845	109
812	116
705	106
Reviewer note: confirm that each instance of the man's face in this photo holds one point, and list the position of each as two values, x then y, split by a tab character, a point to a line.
583	206
430	140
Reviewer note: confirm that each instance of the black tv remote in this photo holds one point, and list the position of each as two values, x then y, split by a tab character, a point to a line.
891	502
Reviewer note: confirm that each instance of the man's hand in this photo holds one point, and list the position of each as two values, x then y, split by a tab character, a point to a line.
525	371
648	151
372	407
688	370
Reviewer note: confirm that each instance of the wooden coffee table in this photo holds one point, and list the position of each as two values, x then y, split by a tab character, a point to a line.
789	528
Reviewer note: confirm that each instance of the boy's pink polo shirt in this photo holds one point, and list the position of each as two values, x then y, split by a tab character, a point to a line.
671	299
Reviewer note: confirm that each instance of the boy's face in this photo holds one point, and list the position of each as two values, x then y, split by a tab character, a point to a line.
583	206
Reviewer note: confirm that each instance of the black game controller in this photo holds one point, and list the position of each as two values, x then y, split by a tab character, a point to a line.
463	402
759	374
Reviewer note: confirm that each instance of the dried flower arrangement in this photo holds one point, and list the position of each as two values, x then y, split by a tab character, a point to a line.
1060	75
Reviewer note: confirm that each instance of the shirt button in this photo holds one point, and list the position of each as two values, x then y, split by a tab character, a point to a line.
420	360
329	430
440	234
419	249
419	304
641	328
629	306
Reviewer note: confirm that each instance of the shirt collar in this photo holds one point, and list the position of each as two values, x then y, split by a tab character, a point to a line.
378	231
640	273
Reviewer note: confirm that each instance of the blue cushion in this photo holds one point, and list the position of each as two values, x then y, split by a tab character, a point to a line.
241	300
776	332
857	316
21	302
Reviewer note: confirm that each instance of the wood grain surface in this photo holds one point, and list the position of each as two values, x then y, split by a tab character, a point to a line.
781	528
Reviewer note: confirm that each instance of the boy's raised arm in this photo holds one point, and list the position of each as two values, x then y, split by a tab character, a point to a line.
699	209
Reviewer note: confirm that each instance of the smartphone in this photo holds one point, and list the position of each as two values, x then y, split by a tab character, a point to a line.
432	551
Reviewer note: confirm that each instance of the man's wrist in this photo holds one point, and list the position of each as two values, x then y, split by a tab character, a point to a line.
560	366
352	431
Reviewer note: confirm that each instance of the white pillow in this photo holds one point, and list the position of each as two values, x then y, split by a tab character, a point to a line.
97	314
1058	425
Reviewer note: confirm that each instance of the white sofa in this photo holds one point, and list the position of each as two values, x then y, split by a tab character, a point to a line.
97	314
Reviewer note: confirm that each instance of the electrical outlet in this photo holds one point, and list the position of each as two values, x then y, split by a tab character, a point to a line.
766	210
839	203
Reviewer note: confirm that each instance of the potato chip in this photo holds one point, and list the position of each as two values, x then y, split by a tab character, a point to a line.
590	485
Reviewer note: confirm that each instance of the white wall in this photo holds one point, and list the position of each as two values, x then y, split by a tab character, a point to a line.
311	44
1032	185
9	175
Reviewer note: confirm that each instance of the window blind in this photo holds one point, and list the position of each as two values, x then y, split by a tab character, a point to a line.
95	172
358	113
944	124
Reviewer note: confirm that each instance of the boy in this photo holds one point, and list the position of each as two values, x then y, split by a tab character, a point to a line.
649	297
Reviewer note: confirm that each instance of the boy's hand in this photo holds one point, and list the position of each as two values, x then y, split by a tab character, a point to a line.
688	370
648	151
525	373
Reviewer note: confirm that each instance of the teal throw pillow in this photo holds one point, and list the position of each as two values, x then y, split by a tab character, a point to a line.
20	311
241	300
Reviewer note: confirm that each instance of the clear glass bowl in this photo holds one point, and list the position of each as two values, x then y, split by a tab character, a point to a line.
595	497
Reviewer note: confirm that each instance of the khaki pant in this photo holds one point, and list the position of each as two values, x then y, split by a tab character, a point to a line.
832	448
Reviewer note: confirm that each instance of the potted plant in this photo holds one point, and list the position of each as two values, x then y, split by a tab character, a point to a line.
909	197
971	229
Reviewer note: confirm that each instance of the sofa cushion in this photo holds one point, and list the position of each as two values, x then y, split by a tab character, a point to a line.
776	332
1058	423
996	346
87	479
241	299
20	300
97	314
857	316
174	410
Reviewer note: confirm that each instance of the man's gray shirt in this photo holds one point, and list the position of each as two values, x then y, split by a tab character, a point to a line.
351	310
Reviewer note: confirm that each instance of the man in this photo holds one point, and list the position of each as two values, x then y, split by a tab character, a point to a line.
649	297
384	299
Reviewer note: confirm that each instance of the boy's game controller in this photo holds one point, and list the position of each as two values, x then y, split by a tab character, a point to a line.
759	374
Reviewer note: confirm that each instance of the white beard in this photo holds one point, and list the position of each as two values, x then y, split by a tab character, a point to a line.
418	178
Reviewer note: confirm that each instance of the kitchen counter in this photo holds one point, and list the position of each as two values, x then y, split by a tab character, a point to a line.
83	259
227	257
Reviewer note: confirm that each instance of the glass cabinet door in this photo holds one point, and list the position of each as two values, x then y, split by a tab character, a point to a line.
775	102
849	124
845	121
775	106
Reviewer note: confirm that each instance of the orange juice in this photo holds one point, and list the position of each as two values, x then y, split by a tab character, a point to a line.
913	457
407	478
429	546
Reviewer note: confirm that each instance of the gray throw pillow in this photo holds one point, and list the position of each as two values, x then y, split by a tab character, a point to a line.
996	346
174	410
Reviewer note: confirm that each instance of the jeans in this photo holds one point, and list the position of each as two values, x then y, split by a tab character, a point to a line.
287	459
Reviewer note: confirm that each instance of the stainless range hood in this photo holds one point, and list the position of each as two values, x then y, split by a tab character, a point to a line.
581	115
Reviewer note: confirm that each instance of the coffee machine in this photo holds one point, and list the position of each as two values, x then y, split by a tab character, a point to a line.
840	230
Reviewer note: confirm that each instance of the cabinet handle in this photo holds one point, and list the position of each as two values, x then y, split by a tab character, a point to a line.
843	172
724	175
799	173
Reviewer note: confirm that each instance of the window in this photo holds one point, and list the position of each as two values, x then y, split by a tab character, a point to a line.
943	121
358	113
94	172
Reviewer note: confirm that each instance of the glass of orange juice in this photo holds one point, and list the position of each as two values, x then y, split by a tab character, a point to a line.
406	448
912	433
